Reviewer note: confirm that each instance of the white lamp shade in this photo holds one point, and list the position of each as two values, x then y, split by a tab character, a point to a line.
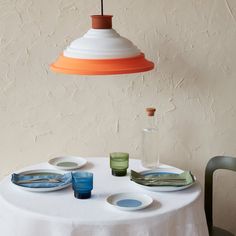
101	44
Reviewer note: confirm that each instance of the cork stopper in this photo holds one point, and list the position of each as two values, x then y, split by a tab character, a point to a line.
150	111
101	22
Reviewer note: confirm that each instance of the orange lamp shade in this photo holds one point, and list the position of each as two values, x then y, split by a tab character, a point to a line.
101	51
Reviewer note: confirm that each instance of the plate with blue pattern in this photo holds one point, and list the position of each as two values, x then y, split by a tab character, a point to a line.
129	201
38	180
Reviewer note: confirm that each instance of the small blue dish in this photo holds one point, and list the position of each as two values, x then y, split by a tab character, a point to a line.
129	201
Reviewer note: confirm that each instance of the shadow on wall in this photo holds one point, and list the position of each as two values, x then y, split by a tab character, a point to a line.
189	127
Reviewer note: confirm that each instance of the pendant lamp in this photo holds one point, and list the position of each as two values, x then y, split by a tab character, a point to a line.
101	51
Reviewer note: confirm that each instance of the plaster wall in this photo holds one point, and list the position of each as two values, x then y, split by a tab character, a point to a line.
192	42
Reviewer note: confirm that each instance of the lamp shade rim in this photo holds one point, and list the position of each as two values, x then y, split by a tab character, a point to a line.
68	65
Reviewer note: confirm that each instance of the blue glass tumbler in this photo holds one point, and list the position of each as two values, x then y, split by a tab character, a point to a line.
82	184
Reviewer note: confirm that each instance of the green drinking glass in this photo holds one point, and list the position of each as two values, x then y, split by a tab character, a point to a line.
119	163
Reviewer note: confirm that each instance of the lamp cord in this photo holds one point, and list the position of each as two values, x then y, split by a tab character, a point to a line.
102	7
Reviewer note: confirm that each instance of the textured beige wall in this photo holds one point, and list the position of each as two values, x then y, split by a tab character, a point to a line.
43	115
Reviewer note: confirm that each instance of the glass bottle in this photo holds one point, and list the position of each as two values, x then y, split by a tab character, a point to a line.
150	141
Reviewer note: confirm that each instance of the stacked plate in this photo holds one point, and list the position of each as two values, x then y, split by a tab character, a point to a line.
46	180
163	180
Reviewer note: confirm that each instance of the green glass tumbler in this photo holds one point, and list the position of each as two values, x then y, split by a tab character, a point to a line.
119	163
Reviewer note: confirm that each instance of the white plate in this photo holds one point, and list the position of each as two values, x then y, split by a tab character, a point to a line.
67	162
129	201
38	172
164	188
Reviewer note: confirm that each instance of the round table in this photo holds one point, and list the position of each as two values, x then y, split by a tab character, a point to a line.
58	213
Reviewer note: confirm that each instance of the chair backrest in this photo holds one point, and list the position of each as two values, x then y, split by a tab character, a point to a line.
215	163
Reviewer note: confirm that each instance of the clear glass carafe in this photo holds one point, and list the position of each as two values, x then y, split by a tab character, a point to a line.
150	141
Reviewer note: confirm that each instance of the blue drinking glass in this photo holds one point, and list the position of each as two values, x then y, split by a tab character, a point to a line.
82	184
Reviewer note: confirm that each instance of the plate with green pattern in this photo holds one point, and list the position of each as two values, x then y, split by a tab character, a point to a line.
163	180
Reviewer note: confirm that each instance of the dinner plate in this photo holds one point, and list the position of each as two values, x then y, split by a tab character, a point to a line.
43	172
129	201
163	188
67	162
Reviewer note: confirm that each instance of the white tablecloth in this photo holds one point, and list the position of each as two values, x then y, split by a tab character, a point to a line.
58	213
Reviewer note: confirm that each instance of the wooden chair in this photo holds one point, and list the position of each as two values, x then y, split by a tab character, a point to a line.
218	162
